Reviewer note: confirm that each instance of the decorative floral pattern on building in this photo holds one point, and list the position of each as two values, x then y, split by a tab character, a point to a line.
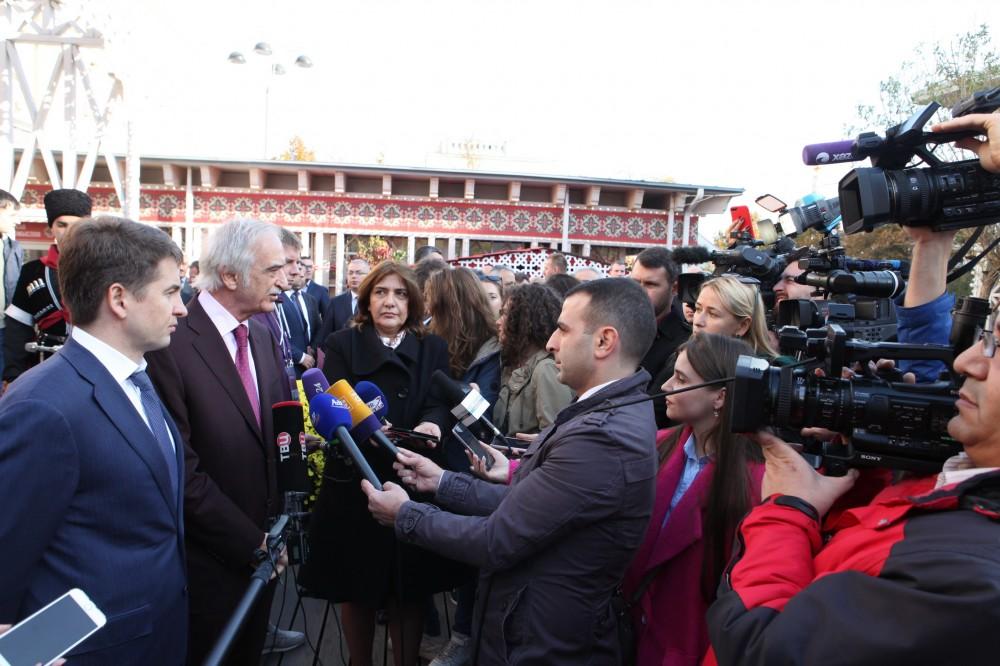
394	217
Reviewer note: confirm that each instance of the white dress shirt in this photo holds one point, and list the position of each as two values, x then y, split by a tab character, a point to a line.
226	323
120	367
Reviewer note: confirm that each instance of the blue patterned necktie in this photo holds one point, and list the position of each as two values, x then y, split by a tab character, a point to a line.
154	414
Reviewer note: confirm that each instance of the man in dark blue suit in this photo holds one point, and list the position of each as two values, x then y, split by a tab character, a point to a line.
91	463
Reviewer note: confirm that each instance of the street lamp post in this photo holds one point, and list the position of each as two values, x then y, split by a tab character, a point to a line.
276	69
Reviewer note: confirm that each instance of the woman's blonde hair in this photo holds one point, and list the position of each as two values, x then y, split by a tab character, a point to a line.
744	301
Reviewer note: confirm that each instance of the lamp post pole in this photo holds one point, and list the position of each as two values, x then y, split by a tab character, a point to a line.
275	69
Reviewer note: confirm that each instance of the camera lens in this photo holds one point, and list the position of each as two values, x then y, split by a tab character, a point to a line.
865	199
954	196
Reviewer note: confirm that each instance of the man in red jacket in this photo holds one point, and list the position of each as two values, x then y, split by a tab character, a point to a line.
912	576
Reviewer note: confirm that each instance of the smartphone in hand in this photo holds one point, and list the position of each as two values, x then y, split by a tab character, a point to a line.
472	444
51	631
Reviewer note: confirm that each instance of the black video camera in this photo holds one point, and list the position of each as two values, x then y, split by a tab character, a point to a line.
891	424
942	196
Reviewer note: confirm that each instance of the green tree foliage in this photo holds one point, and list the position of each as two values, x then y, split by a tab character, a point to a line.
941	72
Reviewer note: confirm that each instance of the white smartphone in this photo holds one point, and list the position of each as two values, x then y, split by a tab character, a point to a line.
51	631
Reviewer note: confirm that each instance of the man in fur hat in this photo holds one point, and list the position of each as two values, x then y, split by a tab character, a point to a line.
36	313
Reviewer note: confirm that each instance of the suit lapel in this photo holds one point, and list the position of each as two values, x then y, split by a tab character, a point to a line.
209	345
112	400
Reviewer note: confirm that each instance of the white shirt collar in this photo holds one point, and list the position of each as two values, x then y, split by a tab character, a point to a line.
591	391
118	364
222	318
959	468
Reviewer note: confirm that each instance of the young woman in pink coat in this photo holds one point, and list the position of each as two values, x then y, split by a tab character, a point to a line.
707	481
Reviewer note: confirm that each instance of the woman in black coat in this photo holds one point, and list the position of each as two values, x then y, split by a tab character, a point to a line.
353	560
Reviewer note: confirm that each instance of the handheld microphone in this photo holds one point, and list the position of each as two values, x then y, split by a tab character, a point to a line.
469	408
331	417
831	152
290	436
694	254
314	382
374	398
365	425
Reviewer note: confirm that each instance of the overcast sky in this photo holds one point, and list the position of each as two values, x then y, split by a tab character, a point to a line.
707	92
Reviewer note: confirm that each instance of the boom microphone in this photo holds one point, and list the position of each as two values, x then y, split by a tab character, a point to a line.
830	153
331	417
290	436
470	406
693	254
366	425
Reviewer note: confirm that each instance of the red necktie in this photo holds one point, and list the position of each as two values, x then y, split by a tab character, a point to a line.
243	367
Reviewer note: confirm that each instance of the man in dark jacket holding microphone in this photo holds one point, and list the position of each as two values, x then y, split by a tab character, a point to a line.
553	544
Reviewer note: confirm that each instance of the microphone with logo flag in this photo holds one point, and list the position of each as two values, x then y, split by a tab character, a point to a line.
374	398
470	406
314	382
331	418
290	437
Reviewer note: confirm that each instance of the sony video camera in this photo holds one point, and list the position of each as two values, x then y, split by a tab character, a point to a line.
942	195
891	423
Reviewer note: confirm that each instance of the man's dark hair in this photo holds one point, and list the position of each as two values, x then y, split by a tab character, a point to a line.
425	251
8	200
558	260
623	305
659	257
194	264
428	267
561	283
97	253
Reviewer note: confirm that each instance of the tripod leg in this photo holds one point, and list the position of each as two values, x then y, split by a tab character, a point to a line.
322	630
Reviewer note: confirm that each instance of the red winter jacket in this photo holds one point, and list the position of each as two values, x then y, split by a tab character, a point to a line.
912	577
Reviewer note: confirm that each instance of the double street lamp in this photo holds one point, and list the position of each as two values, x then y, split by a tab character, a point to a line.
276	69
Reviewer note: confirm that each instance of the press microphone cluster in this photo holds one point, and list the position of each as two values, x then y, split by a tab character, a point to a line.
365	425
331	417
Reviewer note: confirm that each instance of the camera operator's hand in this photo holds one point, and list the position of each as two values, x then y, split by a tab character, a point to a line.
989	150
788	473
501	466
417	472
